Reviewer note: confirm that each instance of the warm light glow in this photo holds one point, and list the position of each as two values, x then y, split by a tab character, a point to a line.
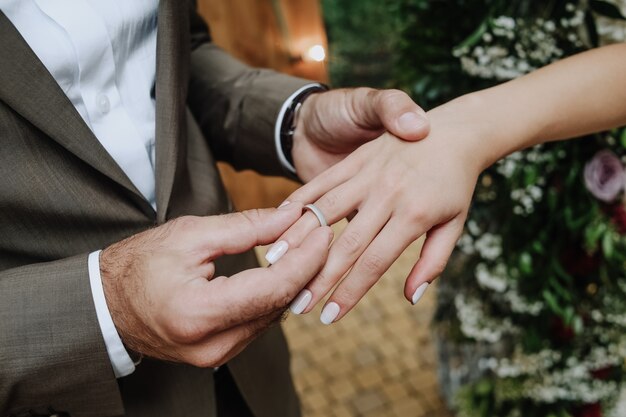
316	53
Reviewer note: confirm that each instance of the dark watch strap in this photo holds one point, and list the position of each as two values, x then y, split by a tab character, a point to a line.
288	127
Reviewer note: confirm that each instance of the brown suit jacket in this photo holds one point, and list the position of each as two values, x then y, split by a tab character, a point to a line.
62	196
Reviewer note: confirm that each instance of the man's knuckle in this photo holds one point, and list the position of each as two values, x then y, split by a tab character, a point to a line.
390	97
221	356
182	330
284	295
211	357
228	219
186	223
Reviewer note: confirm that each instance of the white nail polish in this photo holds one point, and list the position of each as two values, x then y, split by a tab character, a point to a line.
284	204
419	292
276	252
301	302
330	313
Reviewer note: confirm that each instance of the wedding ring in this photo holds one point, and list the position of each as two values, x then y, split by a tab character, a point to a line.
318	213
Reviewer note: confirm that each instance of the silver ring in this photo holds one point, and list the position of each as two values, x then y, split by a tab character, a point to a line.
318	213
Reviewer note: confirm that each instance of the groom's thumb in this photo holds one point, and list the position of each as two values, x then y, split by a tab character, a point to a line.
238	232
401	116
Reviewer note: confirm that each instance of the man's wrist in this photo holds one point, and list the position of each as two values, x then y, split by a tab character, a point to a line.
286	123
121	362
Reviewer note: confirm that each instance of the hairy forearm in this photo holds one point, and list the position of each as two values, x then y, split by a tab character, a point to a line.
573	97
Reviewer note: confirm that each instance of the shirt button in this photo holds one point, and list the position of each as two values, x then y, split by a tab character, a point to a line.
103	104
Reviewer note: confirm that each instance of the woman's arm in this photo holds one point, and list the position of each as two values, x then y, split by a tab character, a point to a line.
573	97
402	190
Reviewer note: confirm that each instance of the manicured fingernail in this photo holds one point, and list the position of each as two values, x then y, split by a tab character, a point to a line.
330	313
276	252
284	204
301	302
419	292
410	121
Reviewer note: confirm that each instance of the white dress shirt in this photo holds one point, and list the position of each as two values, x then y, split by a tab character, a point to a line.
102	53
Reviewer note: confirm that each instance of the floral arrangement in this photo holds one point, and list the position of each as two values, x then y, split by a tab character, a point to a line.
541	268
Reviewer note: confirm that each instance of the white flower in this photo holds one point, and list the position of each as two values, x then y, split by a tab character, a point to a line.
521	305
492	280
477	325
619	410
549	26
466	244
473	228
505	22
489	246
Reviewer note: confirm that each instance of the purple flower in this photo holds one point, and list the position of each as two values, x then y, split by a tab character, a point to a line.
604	176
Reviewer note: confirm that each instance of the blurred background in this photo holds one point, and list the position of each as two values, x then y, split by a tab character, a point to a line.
530	317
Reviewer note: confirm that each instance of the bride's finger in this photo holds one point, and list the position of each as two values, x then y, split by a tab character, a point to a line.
334	206
344	252
370	267
438	246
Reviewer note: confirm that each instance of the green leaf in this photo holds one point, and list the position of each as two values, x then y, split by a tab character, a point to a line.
578	325
530	175
538	247
484	387
560	291
608	244
568	315
526	263
560	271
474	37
593	233
552	302
607	9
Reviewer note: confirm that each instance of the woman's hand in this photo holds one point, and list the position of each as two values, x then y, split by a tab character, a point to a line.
400	190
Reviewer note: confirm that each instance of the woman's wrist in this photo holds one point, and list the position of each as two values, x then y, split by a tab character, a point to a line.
482	127
461	126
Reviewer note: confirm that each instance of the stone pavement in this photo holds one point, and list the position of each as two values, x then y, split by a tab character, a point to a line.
378	361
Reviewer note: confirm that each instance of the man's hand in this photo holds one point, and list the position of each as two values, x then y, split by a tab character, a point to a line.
333	124
166	303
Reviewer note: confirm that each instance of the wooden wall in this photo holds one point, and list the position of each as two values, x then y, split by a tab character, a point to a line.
270	34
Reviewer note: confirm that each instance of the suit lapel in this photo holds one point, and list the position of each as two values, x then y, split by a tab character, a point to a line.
29	89
171	94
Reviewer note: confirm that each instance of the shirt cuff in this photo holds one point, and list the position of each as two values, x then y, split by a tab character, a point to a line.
120	360
279	122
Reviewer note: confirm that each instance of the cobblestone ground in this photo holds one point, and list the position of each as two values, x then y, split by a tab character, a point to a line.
378	361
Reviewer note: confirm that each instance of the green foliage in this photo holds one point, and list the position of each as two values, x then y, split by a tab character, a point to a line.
361	36
430	30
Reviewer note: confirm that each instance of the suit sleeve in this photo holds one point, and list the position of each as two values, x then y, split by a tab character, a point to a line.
60	364
235	105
